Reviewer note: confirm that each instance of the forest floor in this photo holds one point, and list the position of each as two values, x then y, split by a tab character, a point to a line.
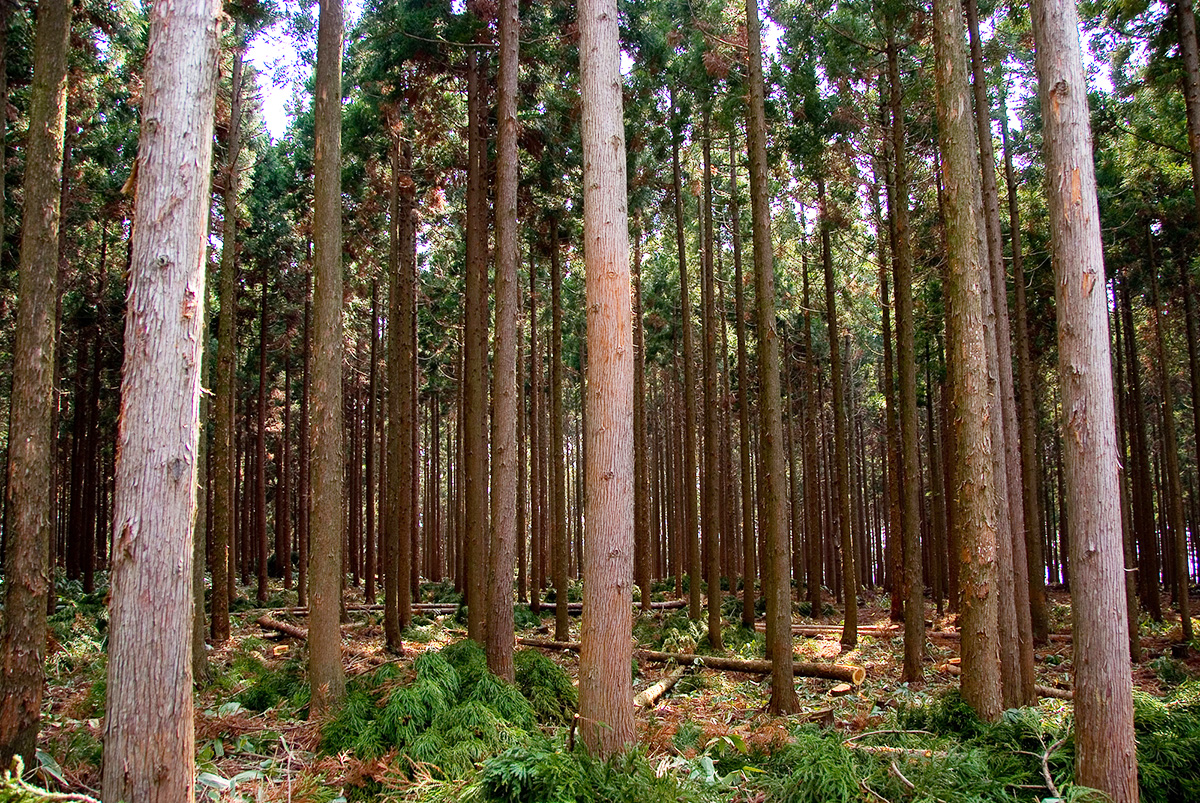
710	737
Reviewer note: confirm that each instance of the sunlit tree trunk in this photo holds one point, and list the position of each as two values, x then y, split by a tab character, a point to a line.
772	478
149	747
605	688
325	672
975	511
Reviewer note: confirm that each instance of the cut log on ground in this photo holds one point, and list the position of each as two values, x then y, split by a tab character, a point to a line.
1042	691
651	695
282	627
843	672
825	630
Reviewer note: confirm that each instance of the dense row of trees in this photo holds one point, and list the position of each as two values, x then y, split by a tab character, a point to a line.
443	381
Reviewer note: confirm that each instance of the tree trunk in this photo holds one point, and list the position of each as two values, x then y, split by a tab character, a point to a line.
224	436
749	564
537	507
1105	752
502	555
558	465
325	672
976	505
475	363
372	558
906	357
27	568
641	480
260	445
711	524
1026	412
1142	491
149	748
303	483
605	688
773	492
1172	490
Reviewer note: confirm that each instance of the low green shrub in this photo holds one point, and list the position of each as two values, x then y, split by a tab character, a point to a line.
546	686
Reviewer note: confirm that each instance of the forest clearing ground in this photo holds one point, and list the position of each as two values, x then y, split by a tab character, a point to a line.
276	754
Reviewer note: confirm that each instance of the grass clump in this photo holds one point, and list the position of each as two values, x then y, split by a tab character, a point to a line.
546	686
272	686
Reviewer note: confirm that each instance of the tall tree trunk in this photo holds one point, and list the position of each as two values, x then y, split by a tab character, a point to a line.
1105	752
773	491
641	480
502	555
1173	490
711	523
691	526
149	748
974	480
260	445
27	568
372	561
1016	651
224	436
1142	491
475	362
1026	412
906	357
303	482
558	466
537	508
749	564
325	672
606	717
840	453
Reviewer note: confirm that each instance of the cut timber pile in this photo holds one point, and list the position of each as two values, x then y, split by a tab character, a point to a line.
843	672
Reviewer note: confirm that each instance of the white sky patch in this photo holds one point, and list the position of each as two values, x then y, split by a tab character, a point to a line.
281	74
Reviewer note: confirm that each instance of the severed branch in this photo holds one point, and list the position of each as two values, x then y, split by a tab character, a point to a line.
1041	691
652	694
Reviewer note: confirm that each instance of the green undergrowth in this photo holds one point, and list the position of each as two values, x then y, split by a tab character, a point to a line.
1168	734
449	713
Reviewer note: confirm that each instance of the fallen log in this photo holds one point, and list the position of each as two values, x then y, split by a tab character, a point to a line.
826	630
282	627
1041	691
651	695
843	672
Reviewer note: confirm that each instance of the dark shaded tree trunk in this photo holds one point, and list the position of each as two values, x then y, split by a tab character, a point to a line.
28	568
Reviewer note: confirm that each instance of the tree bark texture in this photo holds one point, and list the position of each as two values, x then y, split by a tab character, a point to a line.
974	482
605	685
772	478
1105	752
31	436
325	671
149	748
502	555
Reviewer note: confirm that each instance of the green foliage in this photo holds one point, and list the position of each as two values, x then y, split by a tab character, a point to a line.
546	686
814	768
1168	734
271	686
525	619
505	699
469	661
948	715
546	774
687	735
1169	670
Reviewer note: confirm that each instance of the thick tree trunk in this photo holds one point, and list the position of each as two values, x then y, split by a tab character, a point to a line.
148	748
396	437
975	513
502	555
27	568
260	445
1105	752
538	503
605	688
773	492
325	672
